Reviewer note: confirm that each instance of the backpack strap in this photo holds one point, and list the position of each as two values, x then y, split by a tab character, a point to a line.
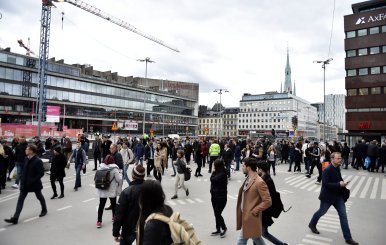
158	216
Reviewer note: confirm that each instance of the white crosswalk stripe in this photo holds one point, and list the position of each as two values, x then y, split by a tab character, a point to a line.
366	188
375	189
357	187
383	193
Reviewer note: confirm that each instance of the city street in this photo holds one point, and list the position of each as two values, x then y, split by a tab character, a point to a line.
71	220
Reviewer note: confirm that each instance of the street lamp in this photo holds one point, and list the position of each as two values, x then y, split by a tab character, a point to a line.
146	60
220	91
324	63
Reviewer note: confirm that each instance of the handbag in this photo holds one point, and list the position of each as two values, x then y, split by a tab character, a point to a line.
345	194
367	162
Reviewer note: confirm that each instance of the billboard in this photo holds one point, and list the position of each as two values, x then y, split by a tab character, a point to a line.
130	125
53	113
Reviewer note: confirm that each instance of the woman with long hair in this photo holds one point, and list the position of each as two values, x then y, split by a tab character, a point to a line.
152	200
59	162
271	156
158	157
218	191
247	151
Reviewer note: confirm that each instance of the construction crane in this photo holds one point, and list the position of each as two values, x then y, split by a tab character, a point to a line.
26	47
45	38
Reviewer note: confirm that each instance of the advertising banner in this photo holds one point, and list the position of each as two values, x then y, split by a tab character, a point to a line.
53	113
130	125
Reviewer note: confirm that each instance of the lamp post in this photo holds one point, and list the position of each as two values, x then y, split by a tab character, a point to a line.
324	63
220	91
146	60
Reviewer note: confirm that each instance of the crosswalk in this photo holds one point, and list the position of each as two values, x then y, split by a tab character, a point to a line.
327	223
361	186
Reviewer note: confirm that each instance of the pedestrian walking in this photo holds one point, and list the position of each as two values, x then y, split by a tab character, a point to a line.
149	157
30	181
297	158
219	191
180	177
57	172
79	157
127	211
97	149
263	171
199	158
106	143
227	156
20	154
315	161
271	158
253	198
112	191
237	156
333	192
214	153
159	156
152	200
128	159
67	147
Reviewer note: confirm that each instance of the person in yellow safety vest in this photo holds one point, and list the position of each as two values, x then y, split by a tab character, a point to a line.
214	153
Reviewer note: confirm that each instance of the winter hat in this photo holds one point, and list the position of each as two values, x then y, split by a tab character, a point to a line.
109	160
138	172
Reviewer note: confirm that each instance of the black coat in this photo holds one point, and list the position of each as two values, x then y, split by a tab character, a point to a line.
218	184
20	152
267	214
58	164
227	156
31	175
157	232
331	189
127	213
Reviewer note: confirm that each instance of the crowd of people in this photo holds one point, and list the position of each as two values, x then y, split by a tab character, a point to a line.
134	159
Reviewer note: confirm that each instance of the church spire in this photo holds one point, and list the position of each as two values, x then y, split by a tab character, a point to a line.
281	87
287	80
294	88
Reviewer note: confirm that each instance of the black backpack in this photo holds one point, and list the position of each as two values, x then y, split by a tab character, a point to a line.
277	205
102	179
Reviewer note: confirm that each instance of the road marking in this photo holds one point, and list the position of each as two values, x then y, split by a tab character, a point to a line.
312	187
329	230
329	226
329	222
232	197
287	191
375	189
2	229
92	185
383	193
198	200
308	184
351	184
302	183
314	242
205	180
239	181
190	200
181	202
348	178
330	218
291	177
88	200
172	203
30	219
357	187
295	179
198	179
319	238
364	191
64	208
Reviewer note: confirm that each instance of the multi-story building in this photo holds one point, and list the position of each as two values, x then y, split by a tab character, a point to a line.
331	132
210	124
335	110
230	118
261	113
93	100
365	64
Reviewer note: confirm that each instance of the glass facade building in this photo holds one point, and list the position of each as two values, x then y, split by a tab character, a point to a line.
93	100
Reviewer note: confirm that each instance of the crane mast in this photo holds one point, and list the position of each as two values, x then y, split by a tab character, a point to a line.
41	106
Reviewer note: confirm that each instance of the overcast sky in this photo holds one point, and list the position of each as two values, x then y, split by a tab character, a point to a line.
239	45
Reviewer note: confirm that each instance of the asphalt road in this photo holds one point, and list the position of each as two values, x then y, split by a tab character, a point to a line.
72	220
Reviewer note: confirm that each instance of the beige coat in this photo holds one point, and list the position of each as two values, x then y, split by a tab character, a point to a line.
256	199
159	158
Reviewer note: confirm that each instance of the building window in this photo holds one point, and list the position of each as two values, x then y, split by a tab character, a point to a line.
374	50
374	30
363	91
362	51
362	32
384	49
376	90
375	70
384	69
351	34
384	29
352	92
351	73
363	72
350	53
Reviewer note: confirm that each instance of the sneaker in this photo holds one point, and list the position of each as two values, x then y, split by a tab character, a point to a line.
15	186
215	233
222	235
187	192
174	197
99	224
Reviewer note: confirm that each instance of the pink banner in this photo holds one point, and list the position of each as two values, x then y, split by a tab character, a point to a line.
53	110
16	130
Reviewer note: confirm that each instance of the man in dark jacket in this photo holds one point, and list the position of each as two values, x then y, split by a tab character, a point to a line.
97	151
105	146
20	154
227	156
30	181
372	153
127	213
331	194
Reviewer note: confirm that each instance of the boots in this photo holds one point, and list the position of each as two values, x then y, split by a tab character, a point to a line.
54	196
61	196
12	220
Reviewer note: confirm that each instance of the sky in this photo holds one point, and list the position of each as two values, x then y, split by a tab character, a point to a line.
238	45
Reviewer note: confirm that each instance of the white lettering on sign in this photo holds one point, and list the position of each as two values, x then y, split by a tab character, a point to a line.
129	125
371	19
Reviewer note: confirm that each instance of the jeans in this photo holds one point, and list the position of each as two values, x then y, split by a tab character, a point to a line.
237	160
19	169
243	241
218	205
270	237
97	157
174	168
307	162
319	167
180	180
78	168
199	163
228	169
345	161
271	163
20	202
341	208
150	166
125	175
102	203
53	185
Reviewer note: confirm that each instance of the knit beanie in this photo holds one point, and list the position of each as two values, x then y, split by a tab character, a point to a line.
138	172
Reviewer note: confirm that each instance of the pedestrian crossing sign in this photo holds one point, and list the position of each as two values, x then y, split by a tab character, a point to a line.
114	127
